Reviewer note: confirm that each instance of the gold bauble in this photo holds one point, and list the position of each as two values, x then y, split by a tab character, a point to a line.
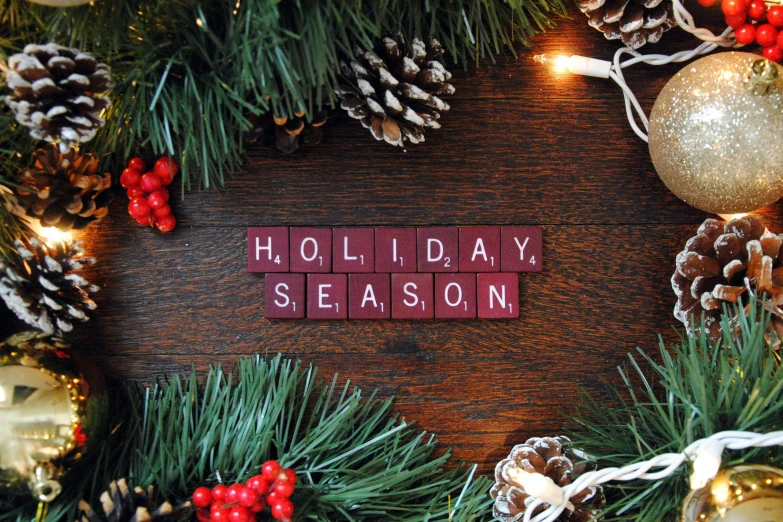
50	414
716	137
751	493
61	3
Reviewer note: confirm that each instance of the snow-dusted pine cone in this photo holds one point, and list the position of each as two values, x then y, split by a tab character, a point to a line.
64	190
44	289
544	455
635	22
121	504
58	92
288	132
396	92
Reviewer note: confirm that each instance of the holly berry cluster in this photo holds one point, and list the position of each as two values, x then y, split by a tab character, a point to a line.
753	21
149	197
241	502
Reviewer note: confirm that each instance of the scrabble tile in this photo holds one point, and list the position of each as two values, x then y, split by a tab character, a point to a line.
395	250
327	296
311	249
498	295
267	249
455	296
285	296
521	249
412	296
438	249
369	296
479	249
353	250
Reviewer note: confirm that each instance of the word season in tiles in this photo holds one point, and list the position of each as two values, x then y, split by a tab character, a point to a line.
398	273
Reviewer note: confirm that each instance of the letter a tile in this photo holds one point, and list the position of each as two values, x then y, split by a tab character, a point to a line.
267	249
369	296
479	249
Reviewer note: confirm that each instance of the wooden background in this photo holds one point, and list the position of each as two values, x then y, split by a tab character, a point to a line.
520	145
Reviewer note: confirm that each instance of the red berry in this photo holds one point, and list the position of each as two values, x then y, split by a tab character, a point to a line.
271	497
766	35
138	164
167	224
775	15
130	178
773	53
732	7
166	168
239	514
291	474
157	199
203	515
219	493
165	210
138	208
259	484
202	497
284	489
233	491
247	497
745	34
707	3
136	192
151	182
282	509
271	470
780	39
757	9
218	513
736	21
147	221
258	507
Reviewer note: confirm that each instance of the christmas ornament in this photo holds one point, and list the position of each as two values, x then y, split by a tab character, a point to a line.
45	289
148	193
289	132
58	92
542	458
64	190
753	22
635	23
121	504
724	263
751	493
60	3
51	414
396	92
716	133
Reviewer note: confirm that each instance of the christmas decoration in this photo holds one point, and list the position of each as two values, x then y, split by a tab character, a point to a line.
705	146
725	262
635	23
61	3
120	503
546	458
289	131
44	288
396	92
51	413
148	194
58	92
64	190
748	21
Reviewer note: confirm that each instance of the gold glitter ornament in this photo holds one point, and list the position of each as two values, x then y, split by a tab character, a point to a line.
751	493
716	133
50	414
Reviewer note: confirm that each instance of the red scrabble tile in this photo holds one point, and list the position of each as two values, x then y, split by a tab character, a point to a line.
438	249
412	296
353	250
498	295
479	249
521	249
285	296
267	249
455	296
311	249
327	296
395	250
369	296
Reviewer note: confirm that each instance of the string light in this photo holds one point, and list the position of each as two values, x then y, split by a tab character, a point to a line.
54	237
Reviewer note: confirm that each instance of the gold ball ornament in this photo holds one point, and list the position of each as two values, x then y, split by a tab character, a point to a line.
50	414
61	3
716	133
752	493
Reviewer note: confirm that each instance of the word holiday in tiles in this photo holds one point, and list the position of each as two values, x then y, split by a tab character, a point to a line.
397	273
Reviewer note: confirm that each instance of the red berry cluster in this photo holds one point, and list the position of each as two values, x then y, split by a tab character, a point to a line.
753	21
148	194
241	502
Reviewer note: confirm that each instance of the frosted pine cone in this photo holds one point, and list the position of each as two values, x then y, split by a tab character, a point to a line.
544	455
121	504
58	92
635	22
288	132
396	92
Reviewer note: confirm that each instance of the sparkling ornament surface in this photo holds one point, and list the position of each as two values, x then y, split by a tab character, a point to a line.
715	142
751	493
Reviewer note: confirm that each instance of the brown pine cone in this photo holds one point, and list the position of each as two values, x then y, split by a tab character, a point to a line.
726	263
635	22
121	504
396	92
64	190
544	455
59	93
288	132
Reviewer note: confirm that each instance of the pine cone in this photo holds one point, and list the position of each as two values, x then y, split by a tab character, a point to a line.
288	131
120	504
395	93
59	93
724	263
64	190
636	22
45	290
545	456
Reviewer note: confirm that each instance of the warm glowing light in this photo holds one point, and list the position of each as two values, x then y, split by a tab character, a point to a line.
558	62
54	237
706	464
729	217
199	22
576	64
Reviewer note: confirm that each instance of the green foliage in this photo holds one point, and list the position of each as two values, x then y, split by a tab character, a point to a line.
700	388
355	459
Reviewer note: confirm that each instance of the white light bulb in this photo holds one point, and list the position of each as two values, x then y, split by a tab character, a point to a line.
707	463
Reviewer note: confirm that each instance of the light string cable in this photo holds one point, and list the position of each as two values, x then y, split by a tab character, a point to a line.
704	454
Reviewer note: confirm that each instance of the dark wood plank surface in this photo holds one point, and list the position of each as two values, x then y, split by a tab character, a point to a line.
521	145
